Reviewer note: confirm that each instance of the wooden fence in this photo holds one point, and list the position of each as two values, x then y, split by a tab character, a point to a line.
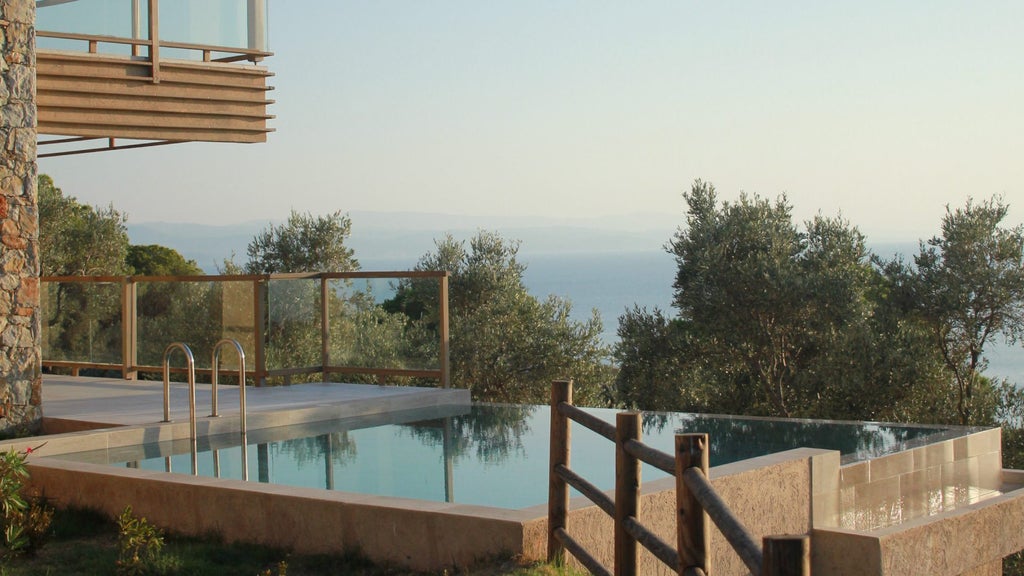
696	502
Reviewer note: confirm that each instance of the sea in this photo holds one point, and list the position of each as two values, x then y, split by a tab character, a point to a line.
614	282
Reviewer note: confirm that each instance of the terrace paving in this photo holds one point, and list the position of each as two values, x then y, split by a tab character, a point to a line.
71	402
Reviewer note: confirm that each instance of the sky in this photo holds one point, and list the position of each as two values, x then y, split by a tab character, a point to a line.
883	112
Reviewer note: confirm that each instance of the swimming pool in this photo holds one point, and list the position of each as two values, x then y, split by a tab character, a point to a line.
489	455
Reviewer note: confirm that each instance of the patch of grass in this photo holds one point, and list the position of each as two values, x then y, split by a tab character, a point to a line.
85	542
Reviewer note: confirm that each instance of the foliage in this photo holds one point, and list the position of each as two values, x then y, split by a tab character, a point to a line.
505	345
25	522
970	289
305	243
774	319
652	355
76	239
139	544
84	544
156	260
282	570
762	301
79	240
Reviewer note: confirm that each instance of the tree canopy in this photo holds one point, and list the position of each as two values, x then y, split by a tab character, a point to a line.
786	320
305	243
76	239
969	287
506	345
156	260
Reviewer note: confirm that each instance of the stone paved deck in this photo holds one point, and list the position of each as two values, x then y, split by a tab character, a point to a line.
96	402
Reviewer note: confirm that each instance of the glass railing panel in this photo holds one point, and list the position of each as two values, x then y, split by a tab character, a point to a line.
364	334
237	323
198	314
228	23
93	17
81	322
293	323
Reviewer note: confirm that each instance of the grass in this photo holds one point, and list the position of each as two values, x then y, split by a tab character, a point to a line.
85	542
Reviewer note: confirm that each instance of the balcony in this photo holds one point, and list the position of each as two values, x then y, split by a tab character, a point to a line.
114	74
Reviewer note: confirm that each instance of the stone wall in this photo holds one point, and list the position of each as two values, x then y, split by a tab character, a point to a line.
20	354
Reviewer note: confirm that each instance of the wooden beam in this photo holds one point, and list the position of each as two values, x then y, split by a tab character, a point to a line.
154	38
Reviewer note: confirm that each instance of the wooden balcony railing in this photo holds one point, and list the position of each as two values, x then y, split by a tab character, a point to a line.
104	96
122	319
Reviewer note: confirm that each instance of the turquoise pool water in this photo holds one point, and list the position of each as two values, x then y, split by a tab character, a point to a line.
488	455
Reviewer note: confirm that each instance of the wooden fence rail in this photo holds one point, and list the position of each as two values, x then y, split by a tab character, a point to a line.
696	502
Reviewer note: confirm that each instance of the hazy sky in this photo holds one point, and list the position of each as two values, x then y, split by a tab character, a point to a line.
886	111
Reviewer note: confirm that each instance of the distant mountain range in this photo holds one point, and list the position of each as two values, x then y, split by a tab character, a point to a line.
396	240
392	238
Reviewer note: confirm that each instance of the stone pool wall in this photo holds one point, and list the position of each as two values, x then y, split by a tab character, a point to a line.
776	494
877	514
770	495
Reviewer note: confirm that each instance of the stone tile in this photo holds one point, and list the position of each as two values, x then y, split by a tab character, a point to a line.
854	474
825	473
933	455
984	442
990	470
891	465
825	509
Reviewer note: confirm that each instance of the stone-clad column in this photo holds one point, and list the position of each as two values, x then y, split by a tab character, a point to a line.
20	352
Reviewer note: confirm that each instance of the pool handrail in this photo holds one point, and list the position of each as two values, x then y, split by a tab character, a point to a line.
190	362
215	366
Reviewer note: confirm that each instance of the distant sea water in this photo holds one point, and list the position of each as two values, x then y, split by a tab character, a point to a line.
611	283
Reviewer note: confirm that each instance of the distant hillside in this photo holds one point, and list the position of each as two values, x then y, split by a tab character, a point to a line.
403	237
396	240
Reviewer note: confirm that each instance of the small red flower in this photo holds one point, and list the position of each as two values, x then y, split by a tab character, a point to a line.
28	450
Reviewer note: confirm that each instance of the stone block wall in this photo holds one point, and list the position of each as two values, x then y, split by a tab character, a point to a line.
20	354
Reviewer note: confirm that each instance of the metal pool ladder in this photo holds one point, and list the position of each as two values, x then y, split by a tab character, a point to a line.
190	362
215	365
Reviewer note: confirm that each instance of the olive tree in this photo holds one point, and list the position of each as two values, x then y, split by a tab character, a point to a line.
82	321
77	239
305	243
970	289
505	344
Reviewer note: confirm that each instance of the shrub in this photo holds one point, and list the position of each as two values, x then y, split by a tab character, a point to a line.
26	523
139	544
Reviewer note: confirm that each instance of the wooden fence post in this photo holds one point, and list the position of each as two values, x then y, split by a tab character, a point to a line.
627	492
787	555
558	489
693	527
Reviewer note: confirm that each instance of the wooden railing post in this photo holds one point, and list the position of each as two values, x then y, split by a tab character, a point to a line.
259	329
443	330
627	493
692	524
154	39
558	489
787	555
325	328
129	329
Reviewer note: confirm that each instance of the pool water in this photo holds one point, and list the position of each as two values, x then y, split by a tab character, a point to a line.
487	455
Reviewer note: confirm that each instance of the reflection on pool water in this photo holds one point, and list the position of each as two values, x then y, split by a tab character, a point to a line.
488	455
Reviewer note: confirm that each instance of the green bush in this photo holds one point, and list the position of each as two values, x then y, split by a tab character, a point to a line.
26	522
139	544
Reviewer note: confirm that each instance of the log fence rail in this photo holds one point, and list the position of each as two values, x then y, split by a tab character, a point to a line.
696	502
